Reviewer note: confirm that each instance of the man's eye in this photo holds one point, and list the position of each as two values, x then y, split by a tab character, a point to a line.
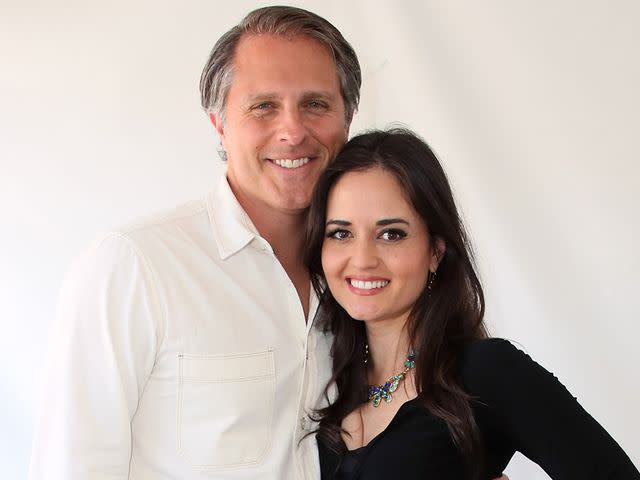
316	105
262	107
393	235
338	234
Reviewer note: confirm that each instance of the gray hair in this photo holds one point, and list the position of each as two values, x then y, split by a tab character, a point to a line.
217	74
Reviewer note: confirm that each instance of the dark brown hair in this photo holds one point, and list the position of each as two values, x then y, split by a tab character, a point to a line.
442	322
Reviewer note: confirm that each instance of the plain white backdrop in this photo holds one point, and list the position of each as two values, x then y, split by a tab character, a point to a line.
531	105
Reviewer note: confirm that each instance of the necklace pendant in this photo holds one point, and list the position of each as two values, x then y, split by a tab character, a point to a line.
383	392
393	386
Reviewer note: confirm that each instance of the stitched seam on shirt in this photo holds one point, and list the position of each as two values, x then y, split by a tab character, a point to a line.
231	466
227	380
160	219
154	293
226	253
238	355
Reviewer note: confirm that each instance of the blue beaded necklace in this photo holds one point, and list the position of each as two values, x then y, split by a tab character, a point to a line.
383	392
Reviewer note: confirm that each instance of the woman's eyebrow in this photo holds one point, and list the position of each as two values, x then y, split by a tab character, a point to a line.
389	221
342	223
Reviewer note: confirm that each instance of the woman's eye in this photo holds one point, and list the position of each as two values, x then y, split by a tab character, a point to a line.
339	234
393	234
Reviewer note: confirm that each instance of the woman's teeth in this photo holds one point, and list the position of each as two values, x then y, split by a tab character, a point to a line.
368	285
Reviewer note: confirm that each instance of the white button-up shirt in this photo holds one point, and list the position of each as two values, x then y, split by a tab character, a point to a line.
181	352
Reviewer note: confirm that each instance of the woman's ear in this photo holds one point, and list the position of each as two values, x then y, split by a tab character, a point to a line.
439	247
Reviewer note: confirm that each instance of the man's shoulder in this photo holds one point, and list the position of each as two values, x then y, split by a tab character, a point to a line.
167	220
154	235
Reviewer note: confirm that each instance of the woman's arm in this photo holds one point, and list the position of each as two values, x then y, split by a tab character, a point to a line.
539	417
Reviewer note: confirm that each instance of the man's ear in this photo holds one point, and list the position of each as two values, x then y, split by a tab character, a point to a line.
347	126
218	124
439	247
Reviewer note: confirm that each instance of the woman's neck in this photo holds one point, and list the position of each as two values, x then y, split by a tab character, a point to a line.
388	348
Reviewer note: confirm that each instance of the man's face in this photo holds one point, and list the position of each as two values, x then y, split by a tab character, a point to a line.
284	121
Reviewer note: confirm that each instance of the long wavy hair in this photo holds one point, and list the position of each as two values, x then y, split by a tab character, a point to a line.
442	322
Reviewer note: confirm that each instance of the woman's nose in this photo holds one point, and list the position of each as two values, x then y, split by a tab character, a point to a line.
364	254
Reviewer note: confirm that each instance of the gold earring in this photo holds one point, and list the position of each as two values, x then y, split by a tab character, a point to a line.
431	278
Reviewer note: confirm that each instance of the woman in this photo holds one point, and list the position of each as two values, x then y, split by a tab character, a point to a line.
422	392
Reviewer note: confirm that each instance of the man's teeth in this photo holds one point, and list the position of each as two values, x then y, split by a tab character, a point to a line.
368	285
286	163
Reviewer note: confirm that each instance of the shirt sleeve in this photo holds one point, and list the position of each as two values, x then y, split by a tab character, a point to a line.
539	417
102	349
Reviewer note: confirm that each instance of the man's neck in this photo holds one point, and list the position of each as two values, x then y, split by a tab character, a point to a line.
285	233
283	230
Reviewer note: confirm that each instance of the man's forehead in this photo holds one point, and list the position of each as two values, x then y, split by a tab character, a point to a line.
267	66
251	42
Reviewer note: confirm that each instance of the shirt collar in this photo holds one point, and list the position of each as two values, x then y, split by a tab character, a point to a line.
232	228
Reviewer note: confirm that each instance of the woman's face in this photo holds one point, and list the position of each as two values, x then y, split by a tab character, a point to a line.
376	253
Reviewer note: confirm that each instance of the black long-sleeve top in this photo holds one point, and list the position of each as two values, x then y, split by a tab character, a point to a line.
519	406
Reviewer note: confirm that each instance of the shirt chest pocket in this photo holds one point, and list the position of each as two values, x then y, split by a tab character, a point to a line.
225	408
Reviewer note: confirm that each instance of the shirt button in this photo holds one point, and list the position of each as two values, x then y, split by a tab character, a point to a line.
303	423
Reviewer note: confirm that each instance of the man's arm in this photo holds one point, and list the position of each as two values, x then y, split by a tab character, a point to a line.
102	350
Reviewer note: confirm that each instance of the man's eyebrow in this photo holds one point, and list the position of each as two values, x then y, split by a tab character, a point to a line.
326	95
341	223
389	221
260	97
319	94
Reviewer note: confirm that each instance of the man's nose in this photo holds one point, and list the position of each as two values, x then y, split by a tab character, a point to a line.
292	129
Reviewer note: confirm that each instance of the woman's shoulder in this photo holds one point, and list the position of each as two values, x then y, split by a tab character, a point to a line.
488	350
490	365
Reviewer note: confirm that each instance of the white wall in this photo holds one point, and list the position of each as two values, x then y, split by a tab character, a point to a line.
532	106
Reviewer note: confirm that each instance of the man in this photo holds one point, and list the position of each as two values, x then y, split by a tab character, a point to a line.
184	345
